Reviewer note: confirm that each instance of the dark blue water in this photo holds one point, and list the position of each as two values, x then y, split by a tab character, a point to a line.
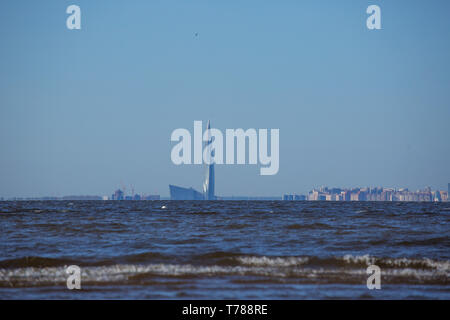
224	249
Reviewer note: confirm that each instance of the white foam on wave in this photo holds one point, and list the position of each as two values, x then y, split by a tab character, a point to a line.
273	261
118	273
289	268
443	266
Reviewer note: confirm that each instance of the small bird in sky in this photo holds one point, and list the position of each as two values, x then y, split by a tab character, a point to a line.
196	34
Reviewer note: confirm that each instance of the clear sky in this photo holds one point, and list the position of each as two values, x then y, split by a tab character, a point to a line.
83	110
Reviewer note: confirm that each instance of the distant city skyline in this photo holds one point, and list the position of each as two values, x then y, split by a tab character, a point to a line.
372	194
323	193
82	110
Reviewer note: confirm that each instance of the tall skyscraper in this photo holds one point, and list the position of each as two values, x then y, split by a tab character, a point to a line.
208	184
180	193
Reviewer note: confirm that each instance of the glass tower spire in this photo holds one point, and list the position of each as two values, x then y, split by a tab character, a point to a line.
208	184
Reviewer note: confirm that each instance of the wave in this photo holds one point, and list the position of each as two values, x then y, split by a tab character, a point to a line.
223	258
140	274
34	262
296	226
347	261
36	271
425	242
237	226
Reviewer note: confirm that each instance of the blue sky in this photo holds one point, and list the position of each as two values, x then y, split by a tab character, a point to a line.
82	111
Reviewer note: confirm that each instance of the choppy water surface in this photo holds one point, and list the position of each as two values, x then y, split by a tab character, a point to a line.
224	249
